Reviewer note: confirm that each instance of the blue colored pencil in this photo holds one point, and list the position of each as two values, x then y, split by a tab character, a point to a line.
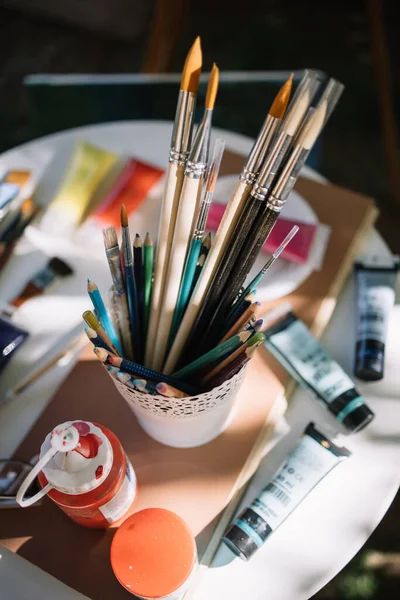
102	314
96	339
140	371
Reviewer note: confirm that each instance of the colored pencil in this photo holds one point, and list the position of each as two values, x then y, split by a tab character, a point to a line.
214	354
113	257
140	371
124	378
130	284
232	368
139	275
93	323
196	241
96	339
148	253
244	318
145	386
256	340
169	391
102	313
179	151
224	234
192	185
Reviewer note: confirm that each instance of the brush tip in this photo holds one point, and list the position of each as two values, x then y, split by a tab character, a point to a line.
110	237
192	68
282	98
124	216
212	88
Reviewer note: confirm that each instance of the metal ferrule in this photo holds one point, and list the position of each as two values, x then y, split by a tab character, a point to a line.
202	218
288	177
183	128
259	150
196	165
271	166
115	269
126	247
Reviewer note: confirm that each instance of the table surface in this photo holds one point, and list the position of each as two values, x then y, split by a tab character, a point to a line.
334	522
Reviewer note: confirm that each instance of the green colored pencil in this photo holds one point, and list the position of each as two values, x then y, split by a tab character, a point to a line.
148	257
213	355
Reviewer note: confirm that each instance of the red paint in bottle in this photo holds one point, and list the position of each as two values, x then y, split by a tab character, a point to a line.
86	472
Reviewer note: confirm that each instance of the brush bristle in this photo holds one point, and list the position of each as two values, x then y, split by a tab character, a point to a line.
192	68
312	128
282	98
110	237
124	216
212	88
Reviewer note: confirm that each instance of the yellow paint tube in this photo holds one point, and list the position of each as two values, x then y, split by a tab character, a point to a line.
86	170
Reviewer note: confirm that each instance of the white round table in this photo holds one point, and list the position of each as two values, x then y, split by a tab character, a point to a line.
334	522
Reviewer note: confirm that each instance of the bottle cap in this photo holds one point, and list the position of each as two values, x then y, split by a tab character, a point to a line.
153	553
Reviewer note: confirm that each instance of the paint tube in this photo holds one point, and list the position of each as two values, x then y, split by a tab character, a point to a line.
87	168
375	299
313	457
295	347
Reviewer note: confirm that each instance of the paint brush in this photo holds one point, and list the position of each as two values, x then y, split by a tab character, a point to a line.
179	151
102	313
253	284
148	254
196	241
130	284
113	257
230	220
283	185
192	185
93	323
274	202
138	271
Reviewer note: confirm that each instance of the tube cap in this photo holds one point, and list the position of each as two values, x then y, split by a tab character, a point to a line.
247	534
358	418
153	553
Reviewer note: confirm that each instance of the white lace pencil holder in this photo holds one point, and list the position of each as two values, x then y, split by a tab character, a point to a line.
184	422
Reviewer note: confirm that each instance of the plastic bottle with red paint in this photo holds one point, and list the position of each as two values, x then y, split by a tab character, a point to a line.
85	471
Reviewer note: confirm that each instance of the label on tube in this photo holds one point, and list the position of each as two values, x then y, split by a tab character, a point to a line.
311	459
292	343
375	300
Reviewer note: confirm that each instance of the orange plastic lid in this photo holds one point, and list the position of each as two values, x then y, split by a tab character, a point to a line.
153	553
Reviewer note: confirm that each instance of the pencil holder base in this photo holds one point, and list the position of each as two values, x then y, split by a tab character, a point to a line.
184	422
